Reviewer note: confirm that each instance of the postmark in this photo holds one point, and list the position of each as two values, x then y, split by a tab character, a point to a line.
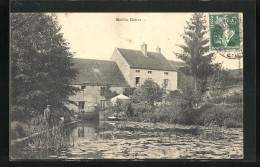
226	35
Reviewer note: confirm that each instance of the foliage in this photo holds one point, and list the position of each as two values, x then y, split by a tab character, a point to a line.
118	107
127	108
186	107
37	120
189	101
230	116
129	91
195	51
184	80
109	94
41	68
173	96
222	78
149	91
140	109
164	113
49	139
234	97
122	107
17	130
103	116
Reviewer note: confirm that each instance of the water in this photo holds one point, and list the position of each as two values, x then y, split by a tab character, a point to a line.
130	140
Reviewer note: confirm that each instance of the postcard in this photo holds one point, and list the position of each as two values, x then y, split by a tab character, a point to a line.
126	86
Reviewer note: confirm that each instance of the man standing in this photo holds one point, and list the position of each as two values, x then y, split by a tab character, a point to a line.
47	115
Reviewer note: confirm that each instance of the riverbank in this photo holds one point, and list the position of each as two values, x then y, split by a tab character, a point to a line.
24	139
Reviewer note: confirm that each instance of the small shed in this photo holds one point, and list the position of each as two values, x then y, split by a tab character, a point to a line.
119	97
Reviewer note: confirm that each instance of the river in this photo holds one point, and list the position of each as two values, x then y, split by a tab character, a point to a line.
133	140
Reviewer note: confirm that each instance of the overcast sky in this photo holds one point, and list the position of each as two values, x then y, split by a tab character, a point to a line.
96	35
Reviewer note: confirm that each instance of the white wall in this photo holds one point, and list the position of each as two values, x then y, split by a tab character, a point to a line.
157	76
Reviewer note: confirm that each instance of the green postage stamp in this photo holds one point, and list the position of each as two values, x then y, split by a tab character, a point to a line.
225	32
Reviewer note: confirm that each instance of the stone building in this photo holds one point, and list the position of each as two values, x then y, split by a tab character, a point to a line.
93	79
126	68
139	65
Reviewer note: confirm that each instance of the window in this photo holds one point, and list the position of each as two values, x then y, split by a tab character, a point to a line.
102	91
150	72
83	86
137	81
103	104
137	71
166	73
165	83
81	105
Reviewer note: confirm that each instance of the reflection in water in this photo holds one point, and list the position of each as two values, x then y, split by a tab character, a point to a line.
85	131
124	140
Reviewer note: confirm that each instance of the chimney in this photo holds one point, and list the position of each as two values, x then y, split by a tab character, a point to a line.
144	49
158	50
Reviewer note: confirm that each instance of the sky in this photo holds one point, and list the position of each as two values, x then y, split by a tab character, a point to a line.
96	35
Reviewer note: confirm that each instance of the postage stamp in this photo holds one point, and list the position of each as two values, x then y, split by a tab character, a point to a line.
224	32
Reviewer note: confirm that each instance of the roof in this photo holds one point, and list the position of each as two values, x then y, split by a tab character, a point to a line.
177	64
153	60
100	72
121	96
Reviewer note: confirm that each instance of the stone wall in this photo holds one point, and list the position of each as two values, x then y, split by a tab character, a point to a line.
91	96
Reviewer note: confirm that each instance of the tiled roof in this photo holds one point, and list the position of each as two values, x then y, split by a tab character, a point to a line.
153	61
98	72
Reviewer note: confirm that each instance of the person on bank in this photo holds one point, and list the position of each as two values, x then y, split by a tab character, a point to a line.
47	115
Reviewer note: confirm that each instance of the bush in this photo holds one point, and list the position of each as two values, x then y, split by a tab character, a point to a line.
140	109
212	116
217	100
37	120
206	106
149	92
19	113
17	130
234	115
164	113
230	123
105	114
230	116
129	91
234	98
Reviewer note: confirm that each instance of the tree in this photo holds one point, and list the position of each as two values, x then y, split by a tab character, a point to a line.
123	106
41	67
188	101
195	51
149	91
109	94
129	91
222	78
